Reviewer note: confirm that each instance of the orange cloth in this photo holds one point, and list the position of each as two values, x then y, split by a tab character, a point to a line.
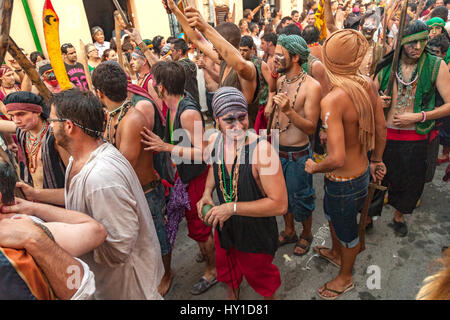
342	54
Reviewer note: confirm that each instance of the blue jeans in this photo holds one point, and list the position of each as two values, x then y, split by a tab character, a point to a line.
299	185
341	204
157	204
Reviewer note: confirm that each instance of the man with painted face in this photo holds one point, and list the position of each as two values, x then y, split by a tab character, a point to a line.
244	170
368	25
410	119
297	112
48	76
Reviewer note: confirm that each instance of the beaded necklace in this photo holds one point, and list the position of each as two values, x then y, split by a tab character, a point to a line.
33	146
301	75
122	110
405	89
231	193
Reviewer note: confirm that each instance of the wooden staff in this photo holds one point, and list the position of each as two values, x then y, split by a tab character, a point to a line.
364	213
233	13
118	41
18	193
6	8
398	47
84	62
387	18
29	69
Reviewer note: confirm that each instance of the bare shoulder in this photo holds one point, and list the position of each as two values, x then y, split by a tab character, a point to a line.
134	118
335	99
312	84
190	115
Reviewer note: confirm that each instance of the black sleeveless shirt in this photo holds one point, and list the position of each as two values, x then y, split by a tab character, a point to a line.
191	170
246	234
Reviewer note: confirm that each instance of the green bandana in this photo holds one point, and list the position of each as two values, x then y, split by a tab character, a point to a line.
415	37
294	44
436	22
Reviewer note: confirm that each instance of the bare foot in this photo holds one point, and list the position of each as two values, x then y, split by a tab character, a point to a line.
166	283
328	255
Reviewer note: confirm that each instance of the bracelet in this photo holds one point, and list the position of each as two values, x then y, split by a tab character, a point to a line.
234	208
424	116
376	161
274	75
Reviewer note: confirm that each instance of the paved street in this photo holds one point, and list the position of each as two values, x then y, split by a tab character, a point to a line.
403	262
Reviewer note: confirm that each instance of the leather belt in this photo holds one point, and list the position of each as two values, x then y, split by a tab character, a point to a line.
151	185
294	155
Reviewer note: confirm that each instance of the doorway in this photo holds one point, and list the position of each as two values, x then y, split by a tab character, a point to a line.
101	13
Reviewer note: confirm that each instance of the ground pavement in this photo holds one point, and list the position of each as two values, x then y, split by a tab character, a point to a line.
390	268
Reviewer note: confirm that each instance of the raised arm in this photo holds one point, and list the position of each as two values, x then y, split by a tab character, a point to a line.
329	19
195	36
245	69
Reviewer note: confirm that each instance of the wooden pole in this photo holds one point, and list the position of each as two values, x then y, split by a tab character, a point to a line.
85	64
118	41
29	69
398	47
6	8
419	9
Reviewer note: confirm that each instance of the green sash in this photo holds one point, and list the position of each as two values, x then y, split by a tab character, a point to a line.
428	69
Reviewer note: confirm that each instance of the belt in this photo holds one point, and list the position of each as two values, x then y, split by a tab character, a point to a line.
151	185
294	155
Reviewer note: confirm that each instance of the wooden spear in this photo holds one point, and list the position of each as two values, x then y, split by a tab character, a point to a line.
118	41
6	8
29	69
398	47
84	62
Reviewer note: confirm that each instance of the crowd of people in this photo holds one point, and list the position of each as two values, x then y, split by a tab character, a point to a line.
225	126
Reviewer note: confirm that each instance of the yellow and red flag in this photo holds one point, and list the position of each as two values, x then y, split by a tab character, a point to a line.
51	34
320	20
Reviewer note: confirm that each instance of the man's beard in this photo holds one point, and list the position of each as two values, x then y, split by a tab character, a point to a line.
61	139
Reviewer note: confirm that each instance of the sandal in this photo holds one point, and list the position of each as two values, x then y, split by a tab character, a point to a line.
321	255
304	247
203	285
339	293
287	239
443	160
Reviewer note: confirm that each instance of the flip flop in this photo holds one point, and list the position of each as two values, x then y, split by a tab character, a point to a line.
304	247
339	293
318	251
203	285
287	239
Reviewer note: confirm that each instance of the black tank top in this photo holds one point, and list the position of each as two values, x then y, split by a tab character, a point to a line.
246	234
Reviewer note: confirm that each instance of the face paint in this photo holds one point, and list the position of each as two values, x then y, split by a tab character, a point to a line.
280	63
414	49
325	122
369	27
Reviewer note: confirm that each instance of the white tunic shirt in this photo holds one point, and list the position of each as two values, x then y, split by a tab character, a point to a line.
128	265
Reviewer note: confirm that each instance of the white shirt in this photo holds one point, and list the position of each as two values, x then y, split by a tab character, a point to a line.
128	265
102	47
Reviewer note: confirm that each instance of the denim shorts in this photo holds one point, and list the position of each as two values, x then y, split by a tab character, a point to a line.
341	204
299	185
157	204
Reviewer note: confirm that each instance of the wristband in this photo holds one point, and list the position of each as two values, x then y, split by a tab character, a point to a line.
235	208
424	116
274	75
376	161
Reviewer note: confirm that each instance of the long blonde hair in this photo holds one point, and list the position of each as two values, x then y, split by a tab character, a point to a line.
437	286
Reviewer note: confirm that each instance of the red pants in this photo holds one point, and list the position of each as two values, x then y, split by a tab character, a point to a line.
198	231
260	273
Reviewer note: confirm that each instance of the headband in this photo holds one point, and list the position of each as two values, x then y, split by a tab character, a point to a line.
415	37
436	22
18	106
228	99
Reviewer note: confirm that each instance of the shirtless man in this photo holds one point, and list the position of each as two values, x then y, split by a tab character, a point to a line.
123	129
296	116
45	160
223	49
410	120
268	44
355	123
